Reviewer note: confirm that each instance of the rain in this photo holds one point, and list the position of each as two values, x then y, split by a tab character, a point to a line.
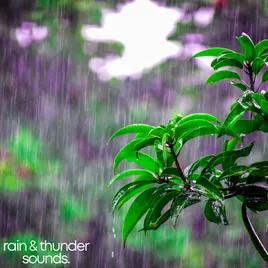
74	72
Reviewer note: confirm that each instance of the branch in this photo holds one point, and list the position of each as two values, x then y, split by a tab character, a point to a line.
251	79
177	162
253	235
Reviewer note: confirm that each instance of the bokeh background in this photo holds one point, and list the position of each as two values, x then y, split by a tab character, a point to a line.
74	71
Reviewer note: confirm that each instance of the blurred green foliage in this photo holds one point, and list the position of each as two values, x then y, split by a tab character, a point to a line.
72	210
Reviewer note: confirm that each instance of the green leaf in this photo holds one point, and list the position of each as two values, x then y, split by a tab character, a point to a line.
159	152
257	65
158	132
264	127
234	171
227	63
201	162
137	209
261	46
264	77
237	111
132	129
258	172
222	75
126	152
211	52
231	143
166	154
210	188
145	161
154	217
264	106
175	119
258	206
215	212
131	172
171	171
257	97
160	155
247	46
181	202
201	116
199	132
266	95
245	126
260	164
228	158
145	143
158	222
144	178
191	125
239	85
130	190
233	56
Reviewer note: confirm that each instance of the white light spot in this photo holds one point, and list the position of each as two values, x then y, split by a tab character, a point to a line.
204	16
29	32
142	27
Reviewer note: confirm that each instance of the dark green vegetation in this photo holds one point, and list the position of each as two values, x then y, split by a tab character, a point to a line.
162	189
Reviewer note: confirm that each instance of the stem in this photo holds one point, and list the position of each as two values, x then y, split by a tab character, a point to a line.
177	163
253	235
251	79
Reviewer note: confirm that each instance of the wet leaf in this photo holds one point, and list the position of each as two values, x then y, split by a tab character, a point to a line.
145	143
257	65
237	111
215	212
154	217
181	202
264	106
246	126
211	52
131	172
147	162
239	85
222	75
187	127
158	132
200	116
132	129
228	158
231	143
201	162
166	153
227	63
247	46
199	132
232	56
170	172
135	212
129	191
126	152
264	77
210	188
261	47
